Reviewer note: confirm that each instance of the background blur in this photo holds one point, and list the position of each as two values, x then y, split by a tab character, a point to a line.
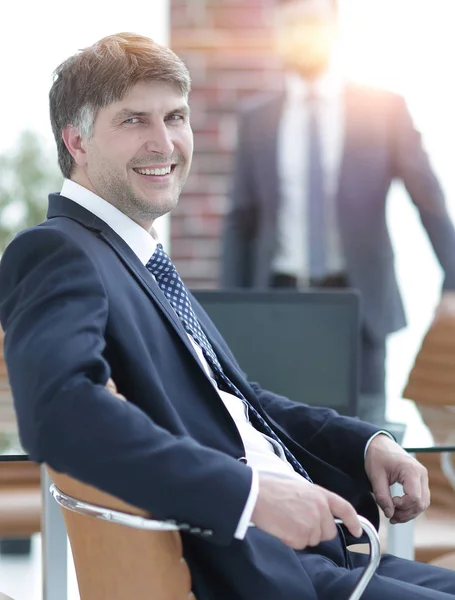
404	45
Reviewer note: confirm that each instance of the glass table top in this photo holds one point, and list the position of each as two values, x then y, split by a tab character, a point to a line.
405	423
409	430
10	447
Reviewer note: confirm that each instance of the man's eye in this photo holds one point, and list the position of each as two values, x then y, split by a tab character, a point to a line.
132	120
176	117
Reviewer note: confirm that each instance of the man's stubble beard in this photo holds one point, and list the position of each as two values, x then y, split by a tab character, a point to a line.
121	194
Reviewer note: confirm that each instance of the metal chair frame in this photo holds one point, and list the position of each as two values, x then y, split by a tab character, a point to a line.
114	516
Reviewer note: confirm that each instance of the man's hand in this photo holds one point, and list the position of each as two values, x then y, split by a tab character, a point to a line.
301	513
387	463
446	307
112	388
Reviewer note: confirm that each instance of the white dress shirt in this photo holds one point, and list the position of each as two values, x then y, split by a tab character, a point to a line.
263	454
292	157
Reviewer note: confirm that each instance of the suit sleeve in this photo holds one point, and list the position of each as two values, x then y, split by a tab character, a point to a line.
412	166
240	222
54	310
337	440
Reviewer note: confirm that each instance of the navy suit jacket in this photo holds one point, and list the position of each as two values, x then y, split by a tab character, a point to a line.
380	144
78	307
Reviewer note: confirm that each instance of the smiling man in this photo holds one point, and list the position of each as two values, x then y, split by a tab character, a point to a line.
92	304
135	151
141	175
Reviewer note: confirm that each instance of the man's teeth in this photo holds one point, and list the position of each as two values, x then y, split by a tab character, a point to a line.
163	171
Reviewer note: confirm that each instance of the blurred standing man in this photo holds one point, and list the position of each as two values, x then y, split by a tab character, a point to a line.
313	168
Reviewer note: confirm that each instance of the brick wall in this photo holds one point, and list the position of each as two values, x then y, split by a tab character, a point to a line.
226	45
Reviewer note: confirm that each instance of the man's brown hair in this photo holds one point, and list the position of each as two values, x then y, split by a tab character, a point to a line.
102	74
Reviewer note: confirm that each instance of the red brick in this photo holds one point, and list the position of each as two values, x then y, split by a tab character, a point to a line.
226	44
201	269
213	162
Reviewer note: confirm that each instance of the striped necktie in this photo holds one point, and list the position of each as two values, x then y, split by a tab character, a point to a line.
316	200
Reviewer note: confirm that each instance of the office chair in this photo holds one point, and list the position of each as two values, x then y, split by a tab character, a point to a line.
307	352
114	560
120	552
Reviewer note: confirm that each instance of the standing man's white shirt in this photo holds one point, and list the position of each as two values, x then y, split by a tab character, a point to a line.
292	158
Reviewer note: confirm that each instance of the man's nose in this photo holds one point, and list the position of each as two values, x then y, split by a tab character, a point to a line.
159	140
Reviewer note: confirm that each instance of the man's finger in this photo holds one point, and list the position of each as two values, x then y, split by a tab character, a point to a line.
328	530
405	515
315	535
382	495
407	508
412	485
426	494
346	512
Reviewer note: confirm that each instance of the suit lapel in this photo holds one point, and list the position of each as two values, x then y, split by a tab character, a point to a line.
148	283
353	145
356	135
349	142
142	276
267	151
63	207
151	287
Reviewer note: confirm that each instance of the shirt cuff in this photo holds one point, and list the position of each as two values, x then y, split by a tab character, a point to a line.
245	519
382	432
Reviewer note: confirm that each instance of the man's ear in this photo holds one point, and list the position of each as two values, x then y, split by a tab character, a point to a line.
73	142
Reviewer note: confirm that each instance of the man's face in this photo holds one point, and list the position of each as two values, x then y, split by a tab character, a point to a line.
305	36
139	155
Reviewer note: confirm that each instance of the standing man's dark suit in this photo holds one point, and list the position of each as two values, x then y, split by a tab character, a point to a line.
380	145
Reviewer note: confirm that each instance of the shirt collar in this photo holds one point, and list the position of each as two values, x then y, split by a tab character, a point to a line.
326	87
141	242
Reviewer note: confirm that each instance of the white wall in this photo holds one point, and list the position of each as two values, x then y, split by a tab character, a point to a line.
408	46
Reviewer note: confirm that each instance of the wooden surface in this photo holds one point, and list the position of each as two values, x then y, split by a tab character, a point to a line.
431	384
8	422
118	562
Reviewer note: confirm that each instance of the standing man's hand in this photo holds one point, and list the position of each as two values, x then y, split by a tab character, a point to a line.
301	513
387	463
446	306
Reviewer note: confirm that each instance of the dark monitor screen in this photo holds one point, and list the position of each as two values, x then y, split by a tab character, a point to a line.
303	345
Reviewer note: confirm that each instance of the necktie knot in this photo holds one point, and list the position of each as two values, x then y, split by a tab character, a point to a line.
160	264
